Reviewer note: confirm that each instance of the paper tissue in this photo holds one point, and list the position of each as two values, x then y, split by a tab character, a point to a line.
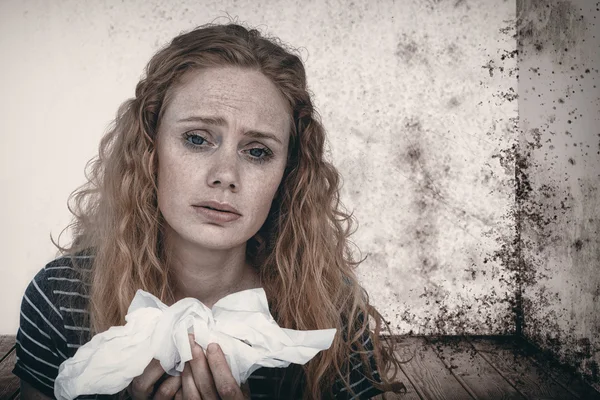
240	323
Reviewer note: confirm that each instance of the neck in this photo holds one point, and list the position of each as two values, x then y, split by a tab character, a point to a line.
209	274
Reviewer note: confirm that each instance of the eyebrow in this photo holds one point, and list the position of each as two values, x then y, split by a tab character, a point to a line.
220	121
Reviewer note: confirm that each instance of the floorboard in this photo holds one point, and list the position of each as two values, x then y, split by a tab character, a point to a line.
8	382
410	394
473	371
530	379
564	376
427	373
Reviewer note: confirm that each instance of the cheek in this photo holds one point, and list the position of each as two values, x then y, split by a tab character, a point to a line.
163	182
170	179
263	192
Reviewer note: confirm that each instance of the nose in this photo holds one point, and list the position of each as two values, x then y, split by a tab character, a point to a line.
224	170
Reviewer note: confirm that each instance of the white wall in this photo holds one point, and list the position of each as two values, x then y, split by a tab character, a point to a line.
415	95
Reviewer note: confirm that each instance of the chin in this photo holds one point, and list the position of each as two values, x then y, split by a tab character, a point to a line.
224	241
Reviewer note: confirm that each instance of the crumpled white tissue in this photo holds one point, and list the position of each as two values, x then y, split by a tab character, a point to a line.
240	323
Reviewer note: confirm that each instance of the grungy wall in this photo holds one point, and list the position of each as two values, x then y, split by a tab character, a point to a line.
418	97
558	178
420	145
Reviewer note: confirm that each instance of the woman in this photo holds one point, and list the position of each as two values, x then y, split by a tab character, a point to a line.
211	181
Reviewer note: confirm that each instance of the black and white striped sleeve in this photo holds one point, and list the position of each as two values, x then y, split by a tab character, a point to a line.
41	342
359	382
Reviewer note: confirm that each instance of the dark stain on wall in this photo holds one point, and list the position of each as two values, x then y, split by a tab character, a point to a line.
425	206
406	48
454	310
519	271
500	64
554	26
453	313
511	272
453	102
547	212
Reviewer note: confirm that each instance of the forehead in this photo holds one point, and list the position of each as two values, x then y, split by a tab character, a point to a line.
236	94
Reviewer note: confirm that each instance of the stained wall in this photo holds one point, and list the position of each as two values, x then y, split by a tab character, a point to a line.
558	178
418	98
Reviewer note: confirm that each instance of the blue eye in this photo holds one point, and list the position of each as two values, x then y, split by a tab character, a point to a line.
260	154
257	152
195	139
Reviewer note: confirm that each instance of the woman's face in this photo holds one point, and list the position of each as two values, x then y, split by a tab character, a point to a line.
223	138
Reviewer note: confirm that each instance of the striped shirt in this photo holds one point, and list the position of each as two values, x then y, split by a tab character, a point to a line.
53	326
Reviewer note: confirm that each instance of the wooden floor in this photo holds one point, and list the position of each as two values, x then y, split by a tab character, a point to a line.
9	384
488	367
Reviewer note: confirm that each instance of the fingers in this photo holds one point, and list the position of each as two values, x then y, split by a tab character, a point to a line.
204	378
200	372
152	383
168	389
226	385
189	390
142	386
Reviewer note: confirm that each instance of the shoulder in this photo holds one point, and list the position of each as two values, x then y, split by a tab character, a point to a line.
58	286
52	321
61	288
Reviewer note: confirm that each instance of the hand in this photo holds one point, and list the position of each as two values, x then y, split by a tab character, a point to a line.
209	377
154	383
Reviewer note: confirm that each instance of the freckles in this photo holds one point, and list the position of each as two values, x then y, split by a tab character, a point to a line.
179	161
265	180
261	187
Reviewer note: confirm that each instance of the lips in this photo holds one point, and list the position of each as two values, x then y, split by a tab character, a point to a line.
216	206
217	213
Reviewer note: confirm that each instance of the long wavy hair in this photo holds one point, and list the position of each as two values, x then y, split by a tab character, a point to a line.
301	252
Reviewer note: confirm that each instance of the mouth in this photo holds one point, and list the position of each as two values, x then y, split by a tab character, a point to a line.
217	214
216	209
211	208
220	207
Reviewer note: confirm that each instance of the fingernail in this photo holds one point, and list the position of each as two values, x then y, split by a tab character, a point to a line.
213	348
